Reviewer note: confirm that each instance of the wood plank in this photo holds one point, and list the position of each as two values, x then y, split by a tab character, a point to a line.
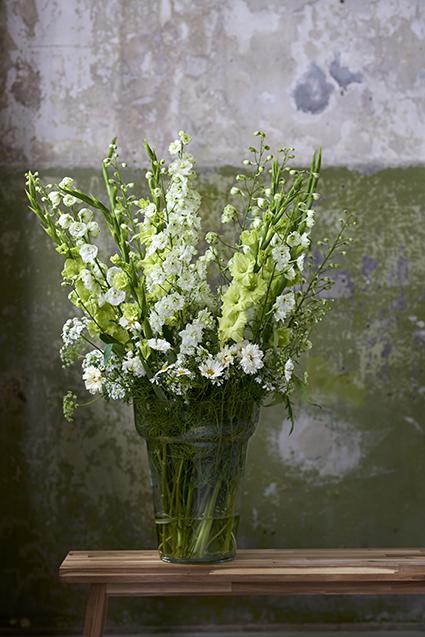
269	571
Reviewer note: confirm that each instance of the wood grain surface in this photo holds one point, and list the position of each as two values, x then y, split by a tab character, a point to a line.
253	572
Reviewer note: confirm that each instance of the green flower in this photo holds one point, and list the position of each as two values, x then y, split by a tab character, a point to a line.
120	281
241	267
70	404
130	311
231	327
71	268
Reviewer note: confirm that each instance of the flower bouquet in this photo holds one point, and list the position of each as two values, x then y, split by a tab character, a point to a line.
195	331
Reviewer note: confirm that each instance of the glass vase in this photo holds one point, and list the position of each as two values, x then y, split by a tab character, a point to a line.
196	457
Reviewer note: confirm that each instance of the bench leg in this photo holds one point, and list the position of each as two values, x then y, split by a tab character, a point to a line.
95	611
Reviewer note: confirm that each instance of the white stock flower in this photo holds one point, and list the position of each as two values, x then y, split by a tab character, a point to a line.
65	221
88	252
77	229
110	274
92	377
85	215
69	200
174	147
150	210
281	256
284	304
304	240
251	358
130	324
93	228
159	344
229	214
66	182
293	239
133	365
55	198
309	222
289	368
300	262
87	279
211	368
290	273
115	297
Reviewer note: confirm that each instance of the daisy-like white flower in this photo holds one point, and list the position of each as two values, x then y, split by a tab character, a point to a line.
88	252
226	356
211	368
160	344
251	358
92	377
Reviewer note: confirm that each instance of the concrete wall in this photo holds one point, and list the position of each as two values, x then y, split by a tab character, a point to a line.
346	75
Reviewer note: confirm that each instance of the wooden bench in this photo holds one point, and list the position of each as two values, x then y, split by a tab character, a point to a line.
253	572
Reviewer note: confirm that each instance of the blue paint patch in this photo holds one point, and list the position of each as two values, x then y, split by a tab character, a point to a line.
313	91
368	266
342	74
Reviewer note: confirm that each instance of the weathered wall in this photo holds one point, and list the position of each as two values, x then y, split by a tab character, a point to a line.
344	74
349	75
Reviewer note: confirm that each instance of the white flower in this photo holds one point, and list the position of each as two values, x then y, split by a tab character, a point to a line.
92	377
300	262
281	256
66	182
133	365
93	228
65	221
251	358
289	368
88	252
284	304
114	390
72	330
115	297
191	337
211	368
85	215
174	147
290	273
55	198
111	274
185	138
309	222
158	242
77	229
130	324
226	356
87	279
150	210
304	240
229	214
69	200
160	344
293	239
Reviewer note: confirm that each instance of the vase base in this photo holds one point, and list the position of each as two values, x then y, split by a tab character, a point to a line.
209	559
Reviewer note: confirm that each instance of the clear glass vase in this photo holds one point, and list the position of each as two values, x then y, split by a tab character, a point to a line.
197	458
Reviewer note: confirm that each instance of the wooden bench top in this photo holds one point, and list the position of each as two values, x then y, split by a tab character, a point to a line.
253	572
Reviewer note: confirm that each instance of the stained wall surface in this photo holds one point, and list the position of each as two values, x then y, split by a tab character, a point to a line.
348	75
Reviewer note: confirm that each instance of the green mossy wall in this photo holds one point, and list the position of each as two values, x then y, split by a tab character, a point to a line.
352	473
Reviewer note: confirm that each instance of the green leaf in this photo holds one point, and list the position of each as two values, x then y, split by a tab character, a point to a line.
90	200
107	338
107	353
